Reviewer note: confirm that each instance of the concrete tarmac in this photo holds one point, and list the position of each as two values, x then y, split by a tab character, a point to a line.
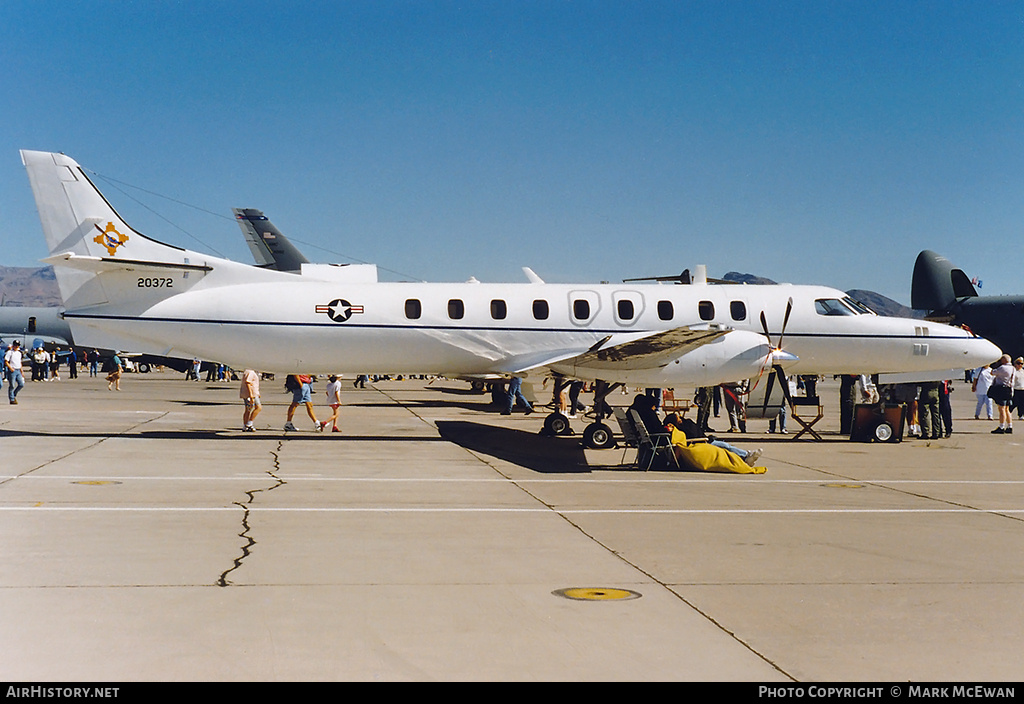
145	537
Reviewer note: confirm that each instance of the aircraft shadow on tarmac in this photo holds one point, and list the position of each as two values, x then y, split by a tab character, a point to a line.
548	455
220	434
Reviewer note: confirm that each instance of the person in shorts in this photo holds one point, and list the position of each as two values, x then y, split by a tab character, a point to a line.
250	395
302	393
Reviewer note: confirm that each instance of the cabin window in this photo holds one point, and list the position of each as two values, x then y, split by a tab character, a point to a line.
456	309
665	310
413	309
706	310
540	309
499	311
625	309
581	309
831	306
738	310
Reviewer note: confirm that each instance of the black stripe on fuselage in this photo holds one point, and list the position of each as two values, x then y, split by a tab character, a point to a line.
479	328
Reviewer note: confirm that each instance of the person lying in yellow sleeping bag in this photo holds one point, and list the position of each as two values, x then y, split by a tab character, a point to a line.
702	455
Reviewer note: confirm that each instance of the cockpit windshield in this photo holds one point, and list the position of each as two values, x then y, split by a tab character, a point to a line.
858	306
833	306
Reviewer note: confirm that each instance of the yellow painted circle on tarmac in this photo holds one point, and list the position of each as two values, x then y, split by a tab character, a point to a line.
596	593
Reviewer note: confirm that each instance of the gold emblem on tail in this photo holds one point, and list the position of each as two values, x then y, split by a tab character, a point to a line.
110	238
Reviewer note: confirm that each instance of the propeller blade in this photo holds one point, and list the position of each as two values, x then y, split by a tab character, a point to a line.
767	395
764	326
784	383
785	322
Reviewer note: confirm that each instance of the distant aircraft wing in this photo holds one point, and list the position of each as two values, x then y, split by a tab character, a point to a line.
269	247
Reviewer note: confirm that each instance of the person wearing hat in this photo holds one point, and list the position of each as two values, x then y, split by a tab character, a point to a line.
12	370
114	375
1018	386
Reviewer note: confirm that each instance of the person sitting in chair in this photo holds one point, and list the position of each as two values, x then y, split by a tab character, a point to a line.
697	453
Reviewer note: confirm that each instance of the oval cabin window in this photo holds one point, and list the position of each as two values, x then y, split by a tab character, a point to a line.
706	310
413	309
456	309
540	309
666	310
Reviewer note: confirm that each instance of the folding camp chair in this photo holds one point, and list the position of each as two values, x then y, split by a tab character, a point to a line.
650	445
629	438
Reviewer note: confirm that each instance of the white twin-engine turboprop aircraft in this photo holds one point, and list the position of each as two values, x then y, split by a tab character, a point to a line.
123	289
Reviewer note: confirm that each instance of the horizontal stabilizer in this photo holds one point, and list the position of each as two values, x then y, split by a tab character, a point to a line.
103	264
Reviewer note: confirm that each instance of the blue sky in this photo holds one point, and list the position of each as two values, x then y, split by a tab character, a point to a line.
812	142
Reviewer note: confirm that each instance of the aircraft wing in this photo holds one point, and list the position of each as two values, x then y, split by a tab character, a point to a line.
646	351
655	350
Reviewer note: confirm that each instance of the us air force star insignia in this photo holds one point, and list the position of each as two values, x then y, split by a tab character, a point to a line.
110	238
339	310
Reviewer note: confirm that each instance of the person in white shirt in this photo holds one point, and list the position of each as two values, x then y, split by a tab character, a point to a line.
12	370
334	400
982	380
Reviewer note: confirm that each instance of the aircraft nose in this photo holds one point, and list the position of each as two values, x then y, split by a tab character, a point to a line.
978	351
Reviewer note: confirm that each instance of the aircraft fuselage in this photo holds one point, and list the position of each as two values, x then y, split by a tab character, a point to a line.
321	327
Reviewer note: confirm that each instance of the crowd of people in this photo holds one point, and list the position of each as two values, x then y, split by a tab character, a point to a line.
46	365
999	390
1000	384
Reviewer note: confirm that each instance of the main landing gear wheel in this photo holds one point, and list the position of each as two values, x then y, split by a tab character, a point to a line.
598	436
556	424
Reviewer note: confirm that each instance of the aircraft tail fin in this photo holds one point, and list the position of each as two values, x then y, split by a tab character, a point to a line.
270	248
80	225
937	284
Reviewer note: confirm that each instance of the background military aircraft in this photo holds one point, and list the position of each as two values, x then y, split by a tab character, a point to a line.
950	297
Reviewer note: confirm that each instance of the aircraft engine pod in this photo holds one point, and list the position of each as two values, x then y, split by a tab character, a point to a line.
740	354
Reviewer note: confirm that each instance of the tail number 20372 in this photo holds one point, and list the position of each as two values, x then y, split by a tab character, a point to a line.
155	282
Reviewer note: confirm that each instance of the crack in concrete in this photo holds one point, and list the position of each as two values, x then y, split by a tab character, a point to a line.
248	541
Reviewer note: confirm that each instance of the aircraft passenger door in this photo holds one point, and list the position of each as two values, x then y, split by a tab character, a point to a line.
583	307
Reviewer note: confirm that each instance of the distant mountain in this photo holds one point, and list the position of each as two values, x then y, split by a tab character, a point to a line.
27	286
747	279
883	305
